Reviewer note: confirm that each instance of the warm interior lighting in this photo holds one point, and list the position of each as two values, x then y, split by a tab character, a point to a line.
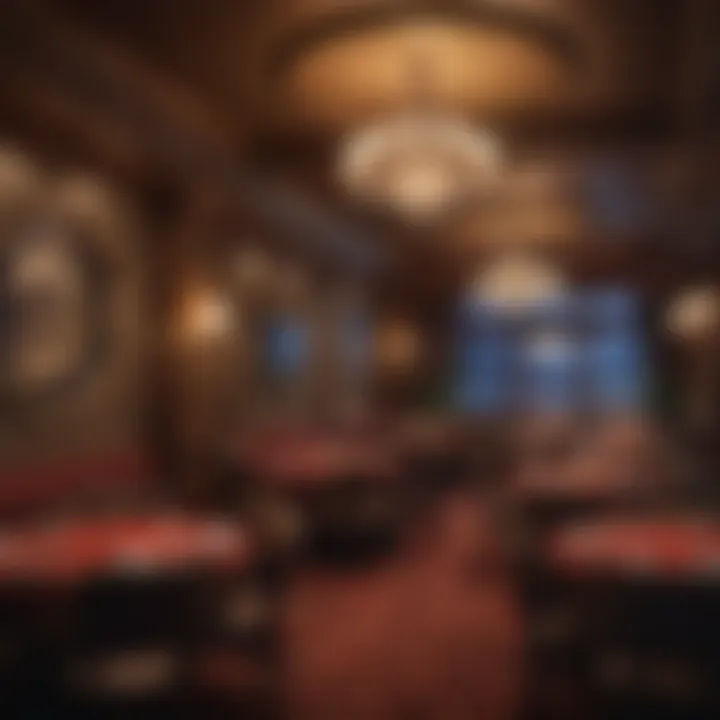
419	165
48	277
423	160
517	281
693	318
694	314
207	316
340	79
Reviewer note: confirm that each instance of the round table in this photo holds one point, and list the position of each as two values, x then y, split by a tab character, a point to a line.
644	594
79	549
343	490
674	549
90	597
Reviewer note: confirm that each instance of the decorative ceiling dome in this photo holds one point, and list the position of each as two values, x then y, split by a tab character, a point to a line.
401	83
343	62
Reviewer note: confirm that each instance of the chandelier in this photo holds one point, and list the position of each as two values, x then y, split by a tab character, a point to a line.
420	162
516	282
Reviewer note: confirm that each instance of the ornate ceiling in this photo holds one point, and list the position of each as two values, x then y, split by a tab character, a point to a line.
343	67
283	67
284	78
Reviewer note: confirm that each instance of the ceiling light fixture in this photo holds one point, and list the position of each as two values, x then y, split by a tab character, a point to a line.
421	162
516	282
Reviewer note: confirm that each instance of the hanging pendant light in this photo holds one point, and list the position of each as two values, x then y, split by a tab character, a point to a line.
517	281
421	162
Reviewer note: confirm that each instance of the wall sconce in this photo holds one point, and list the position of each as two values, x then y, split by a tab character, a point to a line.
693	318
694	315
517	281
206	316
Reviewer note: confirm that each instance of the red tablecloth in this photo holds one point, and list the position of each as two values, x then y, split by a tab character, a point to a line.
303	463
82	549
313	463
674	549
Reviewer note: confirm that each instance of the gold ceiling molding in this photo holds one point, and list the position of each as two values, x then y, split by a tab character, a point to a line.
348	64
533	21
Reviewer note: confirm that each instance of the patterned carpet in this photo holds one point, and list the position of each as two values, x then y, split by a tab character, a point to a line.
431	633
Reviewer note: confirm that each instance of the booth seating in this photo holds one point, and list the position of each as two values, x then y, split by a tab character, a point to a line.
32	489
644	594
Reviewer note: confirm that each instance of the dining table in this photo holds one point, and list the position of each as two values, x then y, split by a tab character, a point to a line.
684	549
642	594
90	601
72	550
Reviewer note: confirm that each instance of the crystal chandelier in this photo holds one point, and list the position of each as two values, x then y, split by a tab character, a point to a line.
421	162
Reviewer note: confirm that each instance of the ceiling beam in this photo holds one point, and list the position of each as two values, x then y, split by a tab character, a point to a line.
54	66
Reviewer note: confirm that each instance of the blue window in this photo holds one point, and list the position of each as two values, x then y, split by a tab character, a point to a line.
287	347
584	351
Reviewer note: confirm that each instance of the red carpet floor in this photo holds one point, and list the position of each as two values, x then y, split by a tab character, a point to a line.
427	634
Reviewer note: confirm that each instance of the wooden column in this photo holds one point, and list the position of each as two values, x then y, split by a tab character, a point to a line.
195	345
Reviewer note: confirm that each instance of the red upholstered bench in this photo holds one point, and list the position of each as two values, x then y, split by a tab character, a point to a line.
31	488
